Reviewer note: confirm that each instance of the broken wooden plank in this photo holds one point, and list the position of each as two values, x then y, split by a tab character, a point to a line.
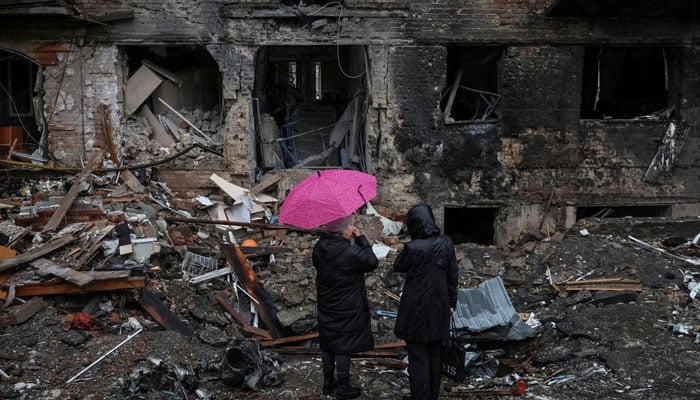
6	252
128	178
107	134
157	130
106	275
263	304
69	198
610	284
162	71
47	267
229	188
38	289
23	312
139	86
94	247
290	339
265	183
263	334
36	252
162	314
258	225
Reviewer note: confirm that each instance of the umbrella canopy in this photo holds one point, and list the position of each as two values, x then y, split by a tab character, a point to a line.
326	196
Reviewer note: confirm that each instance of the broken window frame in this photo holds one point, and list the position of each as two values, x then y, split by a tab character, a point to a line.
489	111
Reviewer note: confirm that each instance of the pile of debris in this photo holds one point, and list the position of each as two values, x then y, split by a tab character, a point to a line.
111	293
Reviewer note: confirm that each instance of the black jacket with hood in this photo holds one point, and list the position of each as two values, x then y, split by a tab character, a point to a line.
430	289
343	311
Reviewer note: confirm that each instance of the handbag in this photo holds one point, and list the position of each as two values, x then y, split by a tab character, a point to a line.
453	356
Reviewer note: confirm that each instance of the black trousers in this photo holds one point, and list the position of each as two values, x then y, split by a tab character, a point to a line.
424	367
331	361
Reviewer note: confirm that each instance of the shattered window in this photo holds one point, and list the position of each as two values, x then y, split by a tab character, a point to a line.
472	85
624	82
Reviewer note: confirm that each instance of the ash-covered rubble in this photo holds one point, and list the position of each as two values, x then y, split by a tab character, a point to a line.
214	310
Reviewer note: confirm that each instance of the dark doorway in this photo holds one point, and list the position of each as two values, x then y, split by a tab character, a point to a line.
621	211
471	224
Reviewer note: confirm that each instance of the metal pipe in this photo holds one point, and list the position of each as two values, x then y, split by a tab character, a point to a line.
105	355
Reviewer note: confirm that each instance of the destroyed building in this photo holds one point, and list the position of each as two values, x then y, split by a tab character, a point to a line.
505	116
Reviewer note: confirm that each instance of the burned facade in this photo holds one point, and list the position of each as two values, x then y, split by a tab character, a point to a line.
506	117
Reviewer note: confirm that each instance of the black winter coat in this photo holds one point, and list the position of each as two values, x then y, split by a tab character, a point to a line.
430	289
341	296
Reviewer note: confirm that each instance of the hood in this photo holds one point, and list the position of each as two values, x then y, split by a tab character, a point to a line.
421	222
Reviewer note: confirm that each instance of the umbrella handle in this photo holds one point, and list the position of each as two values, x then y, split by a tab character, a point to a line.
358	191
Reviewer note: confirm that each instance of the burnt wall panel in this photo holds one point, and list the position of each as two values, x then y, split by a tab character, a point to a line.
541	88
420	72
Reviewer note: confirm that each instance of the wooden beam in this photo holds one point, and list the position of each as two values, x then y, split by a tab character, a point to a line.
265	183
258	225
451	99
263	334
37	289
69	198
157	131
36	252
47	267
263	304
611	284
17	238
162	314
23	312
290	339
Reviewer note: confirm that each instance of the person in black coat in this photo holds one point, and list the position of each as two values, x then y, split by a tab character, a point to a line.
341	298
428	299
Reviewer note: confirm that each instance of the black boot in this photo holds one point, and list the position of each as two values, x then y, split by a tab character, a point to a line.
329	383
345	391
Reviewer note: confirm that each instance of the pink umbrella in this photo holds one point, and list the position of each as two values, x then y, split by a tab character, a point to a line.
326	196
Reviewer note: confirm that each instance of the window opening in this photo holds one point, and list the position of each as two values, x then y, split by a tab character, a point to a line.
472	91
19	127
175	92
622	211
317	122
471	224
624	82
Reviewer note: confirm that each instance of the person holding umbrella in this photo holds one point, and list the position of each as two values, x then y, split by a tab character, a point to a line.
343	310
428	299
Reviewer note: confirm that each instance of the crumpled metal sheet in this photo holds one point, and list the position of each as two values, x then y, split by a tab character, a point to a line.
487	312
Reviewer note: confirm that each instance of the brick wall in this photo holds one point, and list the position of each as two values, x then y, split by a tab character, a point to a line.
84	78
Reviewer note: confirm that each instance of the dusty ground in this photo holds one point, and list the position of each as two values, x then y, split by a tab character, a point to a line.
587	346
